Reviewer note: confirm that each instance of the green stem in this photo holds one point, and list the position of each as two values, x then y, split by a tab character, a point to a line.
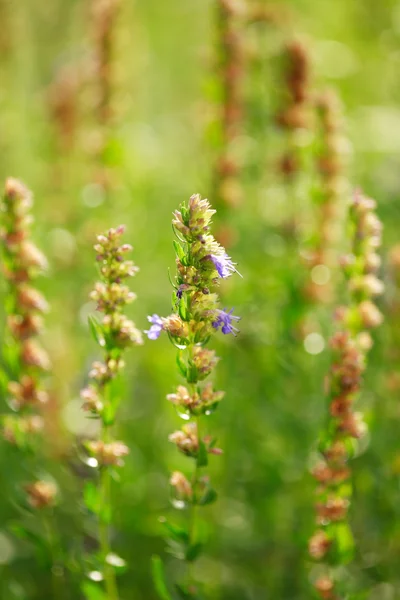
104	527
57	572
193	511
193	507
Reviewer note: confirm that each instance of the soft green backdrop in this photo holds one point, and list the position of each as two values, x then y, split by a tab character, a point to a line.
274	404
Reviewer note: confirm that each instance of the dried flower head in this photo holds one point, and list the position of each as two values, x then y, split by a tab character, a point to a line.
182	486
350	346
41	494
22	261
108	454
319	545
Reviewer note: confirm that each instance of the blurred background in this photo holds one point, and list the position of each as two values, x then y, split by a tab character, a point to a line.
161	147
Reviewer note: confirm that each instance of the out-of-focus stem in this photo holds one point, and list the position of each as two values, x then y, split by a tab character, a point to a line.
57	572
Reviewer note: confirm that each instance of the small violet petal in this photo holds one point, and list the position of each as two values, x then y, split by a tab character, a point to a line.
224	265
225	320
156	328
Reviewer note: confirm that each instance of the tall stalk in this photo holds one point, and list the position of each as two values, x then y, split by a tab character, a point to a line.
104	15
332	543
25	362
328	193
201	263
114	334
229	78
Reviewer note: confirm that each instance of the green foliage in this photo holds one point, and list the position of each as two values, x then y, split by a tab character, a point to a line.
159	578
163	140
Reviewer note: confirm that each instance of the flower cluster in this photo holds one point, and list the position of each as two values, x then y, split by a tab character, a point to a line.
41	494
22	262
295	115
108	454
114	334
25	362
350	345
201	264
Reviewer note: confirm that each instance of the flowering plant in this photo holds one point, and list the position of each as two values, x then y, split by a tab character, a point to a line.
25	364
201	263
114	334
332	542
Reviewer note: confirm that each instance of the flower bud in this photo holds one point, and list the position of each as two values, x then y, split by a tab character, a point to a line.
91	400
372	262
30	299
41	494
108	454
324	586
368	284
25	392
353	424
334	509
204	360
34	355
370	314
336	452
186	439
318	545
31	256
182	486
14	427
176	327
183	398
24	327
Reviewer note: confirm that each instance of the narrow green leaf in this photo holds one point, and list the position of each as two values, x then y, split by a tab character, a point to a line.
39	543
177	533
209	496
180	252
181	364
108	414
192	373
96	330
4	380
194	551
159	578
11	359
105	514
202	456
182	309
345	542
24	533
91	497
93	591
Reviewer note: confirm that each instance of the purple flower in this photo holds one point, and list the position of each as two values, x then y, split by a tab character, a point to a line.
156	328
224	265
224	320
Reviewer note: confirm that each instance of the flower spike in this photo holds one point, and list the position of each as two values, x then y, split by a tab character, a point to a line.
201	263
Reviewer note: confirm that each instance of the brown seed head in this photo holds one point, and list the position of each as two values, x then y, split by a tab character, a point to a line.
41	494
